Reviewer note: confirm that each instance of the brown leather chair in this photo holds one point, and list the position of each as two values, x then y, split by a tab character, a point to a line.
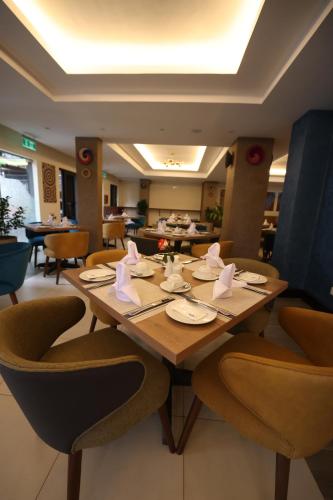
82	393
65	246
93	259
257	322
114	231
271	395
200	249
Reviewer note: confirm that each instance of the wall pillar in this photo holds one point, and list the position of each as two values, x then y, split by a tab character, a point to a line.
89	190
304	240
246	188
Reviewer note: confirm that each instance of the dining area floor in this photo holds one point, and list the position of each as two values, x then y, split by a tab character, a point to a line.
218	462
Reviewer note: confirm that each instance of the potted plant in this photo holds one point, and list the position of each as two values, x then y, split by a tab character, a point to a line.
142	207
9	219
214	215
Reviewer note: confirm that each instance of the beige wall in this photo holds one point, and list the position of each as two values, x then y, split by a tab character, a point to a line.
10	141
129	192
106	183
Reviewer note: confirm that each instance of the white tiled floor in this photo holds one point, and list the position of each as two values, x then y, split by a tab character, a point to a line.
218	463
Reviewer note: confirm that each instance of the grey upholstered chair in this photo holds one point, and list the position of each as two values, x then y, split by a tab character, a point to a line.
82	393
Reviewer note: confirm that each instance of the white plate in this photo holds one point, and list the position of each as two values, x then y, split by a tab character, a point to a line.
208	314
252	278
147	274
203	277
185	288
97	275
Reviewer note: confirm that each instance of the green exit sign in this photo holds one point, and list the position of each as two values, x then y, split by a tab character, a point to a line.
28	143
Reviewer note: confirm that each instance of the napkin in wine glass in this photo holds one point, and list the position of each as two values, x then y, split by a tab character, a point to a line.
223	286
125	290
133	255
212	257
192	228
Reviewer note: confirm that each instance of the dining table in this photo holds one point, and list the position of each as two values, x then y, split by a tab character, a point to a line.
52	228
151	323
179	237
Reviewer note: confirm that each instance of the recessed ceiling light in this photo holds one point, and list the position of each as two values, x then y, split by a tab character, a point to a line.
115	38
162	129
196	130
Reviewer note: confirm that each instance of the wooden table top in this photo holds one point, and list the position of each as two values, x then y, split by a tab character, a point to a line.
44	228
180	237
173	340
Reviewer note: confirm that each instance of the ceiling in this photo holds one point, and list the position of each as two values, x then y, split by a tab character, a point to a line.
286	70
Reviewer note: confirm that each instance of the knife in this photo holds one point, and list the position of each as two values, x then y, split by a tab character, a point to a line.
98	285
148	307
224	312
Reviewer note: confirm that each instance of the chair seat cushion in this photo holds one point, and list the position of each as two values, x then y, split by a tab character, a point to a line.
49	253
208	386
105	344
103	316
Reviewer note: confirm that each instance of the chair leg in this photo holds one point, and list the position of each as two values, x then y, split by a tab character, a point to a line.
13	298
75	261
58	262
36	250
165	421
32	249
46	266
93	323
74	475
84	261
122	242
282	469
189	423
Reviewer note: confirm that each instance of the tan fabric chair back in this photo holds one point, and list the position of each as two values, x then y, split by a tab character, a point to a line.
105	256
112	230
68	245
254	266
200	249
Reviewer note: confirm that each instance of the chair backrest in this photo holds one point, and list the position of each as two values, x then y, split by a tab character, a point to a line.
113	230
14	258
68	245
147	246
254	266
60	399
105	256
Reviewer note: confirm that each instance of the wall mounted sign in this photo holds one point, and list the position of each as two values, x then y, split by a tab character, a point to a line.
28	143
85	156
49	183
255	155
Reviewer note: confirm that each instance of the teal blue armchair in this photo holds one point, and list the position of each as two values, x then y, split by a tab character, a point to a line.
14	258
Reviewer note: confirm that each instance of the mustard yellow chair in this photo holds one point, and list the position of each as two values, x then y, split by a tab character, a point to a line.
82	393
257	322
65	246
102	258
200	249
114	231
271	395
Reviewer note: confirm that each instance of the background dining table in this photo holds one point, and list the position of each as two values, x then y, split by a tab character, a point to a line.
179	238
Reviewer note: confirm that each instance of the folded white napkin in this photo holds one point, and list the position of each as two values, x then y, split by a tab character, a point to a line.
222	287
124	214
110	217
192	228
161	226
188	311
212	257
133	255
65	221
125	290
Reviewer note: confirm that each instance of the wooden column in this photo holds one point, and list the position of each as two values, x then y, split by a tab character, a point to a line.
89	190
209	196
246	188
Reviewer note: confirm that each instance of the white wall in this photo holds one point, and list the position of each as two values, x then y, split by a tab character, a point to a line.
129	192
175	196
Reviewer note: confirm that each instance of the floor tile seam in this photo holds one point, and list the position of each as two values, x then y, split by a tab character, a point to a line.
47	476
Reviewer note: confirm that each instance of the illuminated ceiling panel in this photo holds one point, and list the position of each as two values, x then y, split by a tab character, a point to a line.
175	158
146	37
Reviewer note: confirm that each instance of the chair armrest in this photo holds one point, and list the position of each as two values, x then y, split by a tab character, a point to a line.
31	327
312	331
293	400
63	400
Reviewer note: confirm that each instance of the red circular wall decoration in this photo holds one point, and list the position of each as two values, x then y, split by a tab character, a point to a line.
85	156
255	155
